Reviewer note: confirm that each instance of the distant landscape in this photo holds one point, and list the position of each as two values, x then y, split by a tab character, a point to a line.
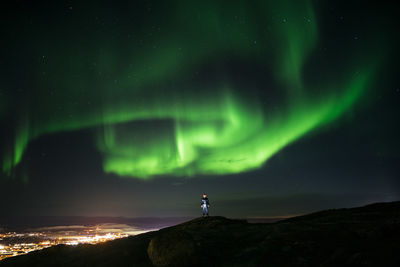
365	236
20	235
18	223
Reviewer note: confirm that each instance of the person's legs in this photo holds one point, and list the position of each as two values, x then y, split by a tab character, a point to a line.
205	210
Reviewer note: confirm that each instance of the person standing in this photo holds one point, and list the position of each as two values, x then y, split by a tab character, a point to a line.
205	204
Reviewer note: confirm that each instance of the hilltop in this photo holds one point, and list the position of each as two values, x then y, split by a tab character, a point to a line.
364	236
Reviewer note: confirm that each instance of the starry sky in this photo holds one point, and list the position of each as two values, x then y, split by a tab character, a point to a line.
274	108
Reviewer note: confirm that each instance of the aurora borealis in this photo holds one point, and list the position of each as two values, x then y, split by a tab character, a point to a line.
184	89
215	133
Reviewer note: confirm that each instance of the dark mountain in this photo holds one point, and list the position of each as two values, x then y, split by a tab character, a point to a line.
365	236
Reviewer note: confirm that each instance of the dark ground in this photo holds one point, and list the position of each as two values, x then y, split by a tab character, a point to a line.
365	236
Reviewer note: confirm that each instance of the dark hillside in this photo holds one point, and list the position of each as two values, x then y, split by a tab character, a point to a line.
365	236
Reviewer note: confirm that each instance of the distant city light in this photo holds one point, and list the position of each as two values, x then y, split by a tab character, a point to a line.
14	244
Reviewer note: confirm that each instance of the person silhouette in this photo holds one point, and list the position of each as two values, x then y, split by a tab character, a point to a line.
205	204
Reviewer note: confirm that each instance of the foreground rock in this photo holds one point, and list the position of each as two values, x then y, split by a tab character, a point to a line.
366	236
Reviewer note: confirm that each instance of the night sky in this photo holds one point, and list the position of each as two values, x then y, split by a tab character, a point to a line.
274	108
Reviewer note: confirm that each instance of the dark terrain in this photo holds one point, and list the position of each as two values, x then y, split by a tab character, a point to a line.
365	236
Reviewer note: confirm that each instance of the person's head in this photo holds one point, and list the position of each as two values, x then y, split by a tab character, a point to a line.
204	195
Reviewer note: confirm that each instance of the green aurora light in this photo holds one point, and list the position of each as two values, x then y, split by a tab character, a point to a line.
213	130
